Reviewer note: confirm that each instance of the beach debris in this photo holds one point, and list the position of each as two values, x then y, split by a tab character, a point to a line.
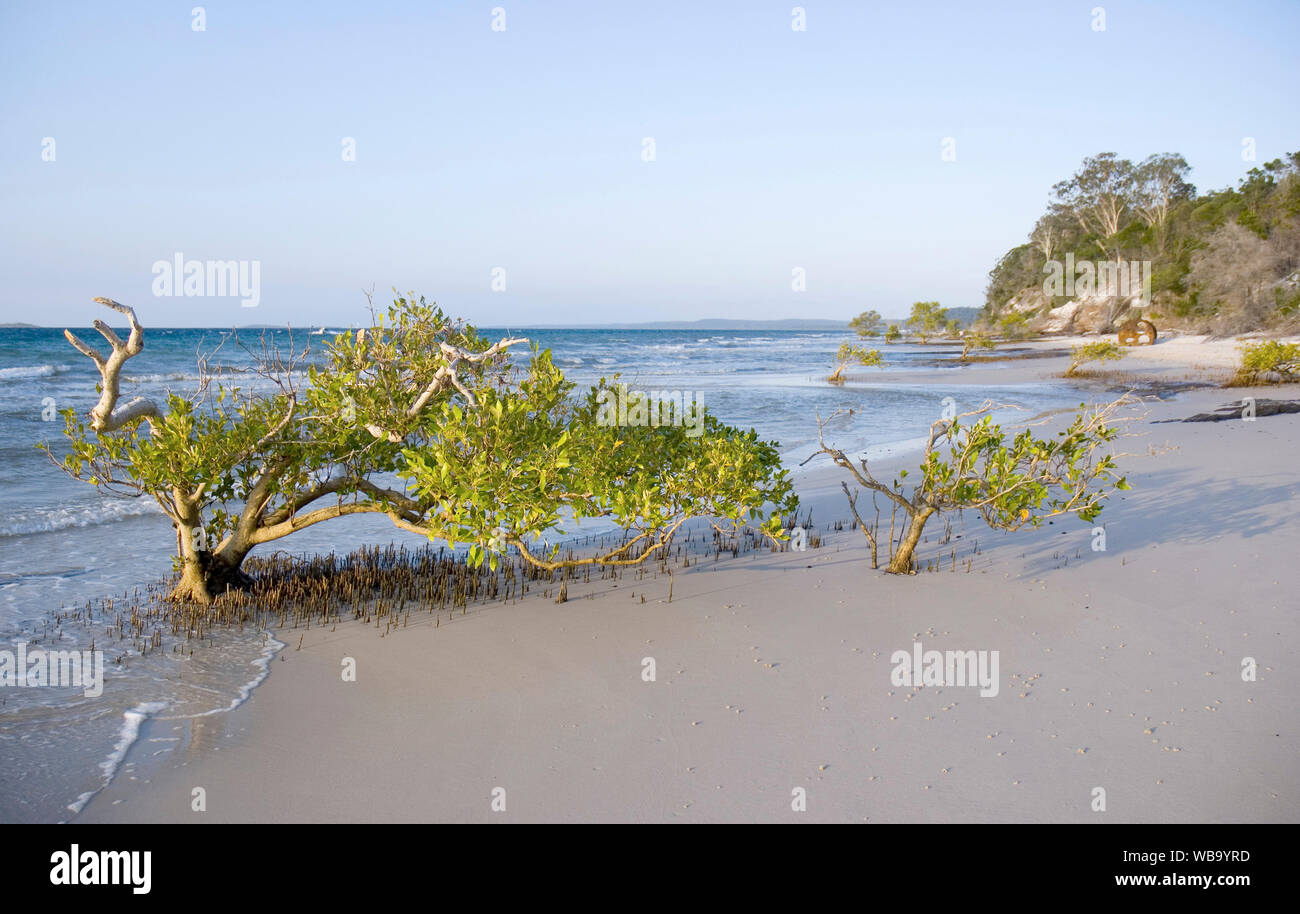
1137	333
1263	406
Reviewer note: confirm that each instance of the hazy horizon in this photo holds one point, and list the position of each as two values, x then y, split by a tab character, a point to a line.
130	138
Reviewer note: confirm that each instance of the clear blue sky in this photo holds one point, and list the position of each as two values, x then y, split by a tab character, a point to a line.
522	149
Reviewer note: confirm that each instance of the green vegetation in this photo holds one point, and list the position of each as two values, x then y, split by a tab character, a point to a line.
1013	325
975	339
927	319
1268	357
1100	351
1222	262
893	334
867	324
490	455
1011	482
849	354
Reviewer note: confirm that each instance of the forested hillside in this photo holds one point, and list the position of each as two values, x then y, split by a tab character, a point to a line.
1222	262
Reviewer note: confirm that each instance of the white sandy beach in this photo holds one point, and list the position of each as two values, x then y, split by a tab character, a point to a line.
1175	356
1119	669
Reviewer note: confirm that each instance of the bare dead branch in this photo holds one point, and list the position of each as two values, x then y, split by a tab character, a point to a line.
106	416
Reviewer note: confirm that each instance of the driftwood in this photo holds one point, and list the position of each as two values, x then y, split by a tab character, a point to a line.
1263	407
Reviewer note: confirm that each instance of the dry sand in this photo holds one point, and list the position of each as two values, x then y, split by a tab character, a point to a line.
1119	669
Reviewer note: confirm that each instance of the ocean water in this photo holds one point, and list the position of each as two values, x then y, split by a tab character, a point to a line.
63	544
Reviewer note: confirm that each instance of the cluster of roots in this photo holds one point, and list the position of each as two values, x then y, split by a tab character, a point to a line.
380	585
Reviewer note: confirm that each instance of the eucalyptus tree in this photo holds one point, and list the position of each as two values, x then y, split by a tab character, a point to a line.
1100	196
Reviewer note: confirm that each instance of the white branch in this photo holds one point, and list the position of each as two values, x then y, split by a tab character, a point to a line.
106	416
443	378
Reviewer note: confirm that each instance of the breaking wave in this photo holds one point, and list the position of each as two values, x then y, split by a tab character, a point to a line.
47	520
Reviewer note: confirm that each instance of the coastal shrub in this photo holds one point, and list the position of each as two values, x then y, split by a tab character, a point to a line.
488	454
1100	351
849	354
1014	325
893	334
1265	358
927	319
975	339
867	324
970	463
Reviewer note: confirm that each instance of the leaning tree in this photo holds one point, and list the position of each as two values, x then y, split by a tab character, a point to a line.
849	355
417	418
969	462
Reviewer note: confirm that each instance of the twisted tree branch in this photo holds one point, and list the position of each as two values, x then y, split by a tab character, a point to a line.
106	416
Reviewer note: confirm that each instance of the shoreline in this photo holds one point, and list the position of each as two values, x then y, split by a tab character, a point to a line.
773	673
140	717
